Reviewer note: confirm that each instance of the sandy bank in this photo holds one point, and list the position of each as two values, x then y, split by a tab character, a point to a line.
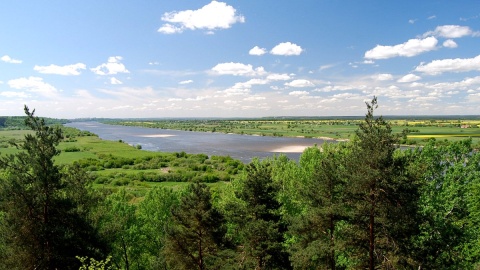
290	149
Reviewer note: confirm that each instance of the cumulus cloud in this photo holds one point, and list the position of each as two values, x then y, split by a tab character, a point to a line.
383	77
257	51
287	49
237	69
8	59
186	82
451	31
450	65
450	44
298	93
300	83
409	78
215	15
67	70
278	77
33	84
410	48
113	66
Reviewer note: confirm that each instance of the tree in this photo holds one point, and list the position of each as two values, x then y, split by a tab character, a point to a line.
120	227
449	206
263	227
195	236
154	215
318	238
380	193
44	227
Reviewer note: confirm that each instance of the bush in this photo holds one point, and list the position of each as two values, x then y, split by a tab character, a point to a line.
72	149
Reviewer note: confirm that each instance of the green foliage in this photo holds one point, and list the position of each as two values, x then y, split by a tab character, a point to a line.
195	238
154	215
449	206
319	239
92	264
44	225
262	228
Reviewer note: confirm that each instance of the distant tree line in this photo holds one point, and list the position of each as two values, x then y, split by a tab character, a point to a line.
362	204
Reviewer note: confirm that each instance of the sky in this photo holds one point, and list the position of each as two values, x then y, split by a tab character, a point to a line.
154	58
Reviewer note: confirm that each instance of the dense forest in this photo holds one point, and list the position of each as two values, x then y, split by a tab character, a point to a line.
361	204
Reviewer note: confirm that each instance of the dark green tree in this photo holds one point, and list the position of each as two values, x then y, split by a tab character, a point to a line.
195	238
262	229
43	225
381	194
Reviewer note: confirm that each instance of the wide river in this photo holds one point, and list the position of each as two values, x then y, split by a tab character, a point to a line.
242	147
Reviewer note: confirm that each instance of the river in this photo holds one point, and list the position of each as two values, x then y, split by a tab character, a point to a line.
241	147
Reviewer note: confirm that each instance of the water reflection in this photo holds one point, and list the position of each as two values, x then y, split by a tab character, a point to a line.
242	147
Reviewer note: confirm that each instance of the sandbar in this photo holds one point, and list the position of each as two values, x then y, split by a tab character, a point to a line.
290	149
157	136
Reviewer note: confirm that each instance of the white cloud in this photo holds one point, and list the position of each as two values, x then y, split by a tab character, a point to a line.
186	82
298	93
257	51
59	70
216	15
11	94
300	83
450	44
113	66
170	29
114	80
278	77
383	77
287	49
410	48
33	84
450	65
409	78
237	69
451	31
8	59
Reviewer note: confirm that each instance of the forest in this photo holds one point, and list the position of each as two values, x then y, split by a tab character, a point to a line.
357	204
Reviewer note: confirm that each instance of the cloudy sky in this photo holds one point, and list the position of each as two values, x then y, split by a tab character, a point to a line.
71	59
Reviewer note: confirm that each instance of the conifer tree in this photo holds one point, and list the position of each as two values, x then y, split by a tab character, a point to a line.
381	195
195	235
43	226
263	227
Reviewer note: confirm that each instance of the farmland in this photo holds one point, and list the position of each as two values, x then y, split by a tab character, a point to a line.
414	131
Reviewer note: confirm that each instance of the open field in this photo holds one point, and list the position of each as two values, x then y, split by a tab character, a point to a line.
115	164
417	131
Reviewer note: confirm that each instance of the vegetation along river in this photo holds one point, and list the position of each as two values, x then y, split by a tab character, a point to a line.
242	147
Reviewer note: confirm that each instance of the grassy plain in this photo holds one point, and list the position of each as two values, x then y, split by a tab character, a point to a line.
115	164
418	130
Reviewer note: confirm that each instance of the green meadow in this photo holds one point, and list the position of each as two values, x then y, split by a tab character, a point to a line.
413	131
115	164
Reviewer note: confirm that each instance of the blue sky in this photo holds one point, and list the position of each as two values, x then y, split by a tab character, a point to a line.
71	59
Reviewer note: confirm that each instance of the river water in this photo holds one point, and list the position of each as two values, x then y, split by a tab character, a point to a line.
242	147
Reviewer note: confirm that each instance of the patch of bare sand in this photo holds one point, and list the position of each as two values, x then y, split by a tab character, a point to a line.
290	149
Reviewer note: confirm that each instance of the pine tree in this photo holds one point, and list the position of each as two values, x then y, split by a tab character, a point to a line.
195	235
381	195
263	227
44	227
